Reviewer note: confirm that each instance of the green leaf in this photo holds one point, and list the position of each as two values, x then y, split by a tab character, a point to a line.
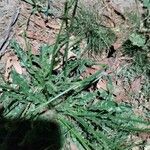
20	53
146	3
20	81
109	106
75	132
137	39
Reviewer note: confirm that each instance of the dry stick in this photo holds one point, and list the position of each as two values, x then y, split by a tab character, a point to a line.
2	51
5	41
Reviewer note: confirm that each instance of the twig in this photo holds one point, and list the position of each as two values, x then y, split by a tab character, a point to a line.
2	51
5	42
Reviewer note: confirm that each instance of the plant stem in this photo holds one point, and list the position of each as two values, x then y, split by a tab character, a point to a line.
55	49
68	28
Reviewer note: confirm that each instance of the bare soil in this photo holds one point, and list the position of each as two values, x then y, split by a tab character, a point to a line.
40	31
7	10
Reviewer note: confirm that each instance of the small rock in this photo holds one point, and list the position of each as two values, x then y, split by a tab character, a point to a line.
147	147
136	148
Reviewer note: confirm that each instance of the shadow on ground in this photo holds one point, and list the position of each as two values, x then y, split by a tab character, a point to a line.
29	135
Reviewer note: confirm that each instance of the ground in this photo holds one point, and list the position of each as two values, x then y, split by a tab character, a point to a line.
17	19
